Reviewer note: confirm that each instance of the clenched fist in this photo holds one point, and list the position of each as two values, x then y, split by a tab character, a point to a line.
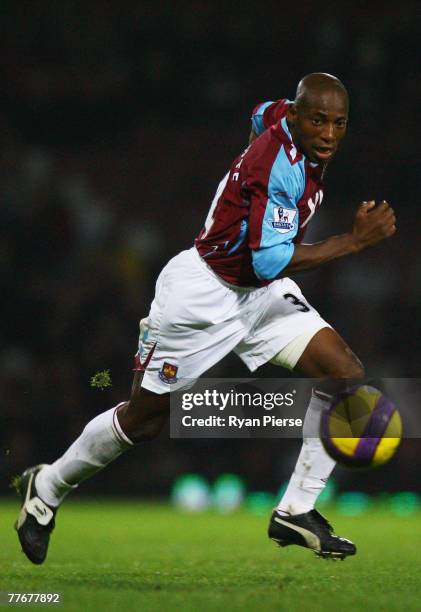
372	224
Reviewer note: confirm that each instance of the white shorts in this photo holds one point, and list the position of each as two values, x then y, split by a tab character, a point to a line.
196	319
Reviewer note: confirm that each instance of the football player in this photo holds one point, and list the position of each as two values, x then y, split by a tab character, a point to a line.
232	291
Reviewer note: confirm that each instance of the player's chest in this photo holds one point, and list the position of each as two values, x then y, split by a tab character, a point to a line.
309	202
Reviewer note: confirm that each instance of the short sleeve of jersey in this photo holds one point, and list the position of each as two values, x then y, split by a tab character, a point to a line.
266	114
274	218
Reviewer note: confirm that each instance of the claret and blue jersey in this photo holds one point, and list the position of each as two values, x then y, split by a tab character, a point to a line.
262	206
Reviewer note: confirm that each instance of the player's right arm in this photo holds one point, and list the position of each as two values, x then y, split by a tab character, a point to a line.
264	115
273	216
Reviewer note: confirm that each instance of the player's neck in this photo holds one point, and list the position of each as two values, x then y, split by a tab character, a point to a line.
294	138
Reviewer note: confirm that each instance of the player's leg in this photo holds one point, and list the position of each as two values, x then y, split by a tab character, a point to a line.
144	415
292	334
328	357
108	435
176	342
103	439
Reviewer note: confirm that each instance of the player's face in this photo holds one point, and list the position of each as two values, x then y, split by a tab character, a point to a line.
318	126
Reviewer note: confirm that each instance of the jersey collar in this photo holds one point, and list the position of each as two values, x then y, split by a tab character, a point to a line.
293	151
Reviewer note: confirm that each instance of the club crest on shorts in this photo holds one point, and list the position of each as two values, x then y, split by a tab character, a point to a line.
168	373
283	219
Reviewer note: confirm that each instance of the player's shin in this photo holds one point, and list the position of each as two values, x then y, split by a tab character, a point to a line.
101	442
313	466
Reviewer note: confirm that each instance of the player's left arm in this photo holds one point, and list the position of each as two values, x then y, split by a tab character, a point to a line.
277	256
372	224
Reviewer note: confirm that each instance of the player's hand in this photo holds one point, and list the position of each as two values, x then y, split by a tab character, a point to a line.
372	224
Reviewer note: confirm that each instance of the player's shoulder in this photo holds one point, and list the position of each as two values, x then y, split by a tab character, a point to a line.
284	164
266	114
288	171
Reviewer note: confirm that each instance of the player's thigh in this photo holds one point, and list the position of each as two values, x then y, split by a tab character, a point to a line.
286	325
145	402
327	355
192	325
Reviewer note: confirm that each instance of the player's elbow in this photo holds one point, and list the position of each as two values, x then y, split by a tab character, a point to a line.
268	263
264	272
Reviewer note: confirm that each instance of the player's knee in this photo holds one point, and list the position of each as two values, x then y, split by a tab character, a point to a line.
357	370
144	403
144	428
349	367
144	415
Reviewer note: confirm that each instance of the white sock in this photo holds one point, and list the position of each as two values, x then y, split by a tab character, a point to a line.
100	442
313	466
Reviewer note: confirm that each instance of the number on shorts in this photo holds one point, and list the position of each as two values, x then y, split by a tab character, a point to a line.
294	300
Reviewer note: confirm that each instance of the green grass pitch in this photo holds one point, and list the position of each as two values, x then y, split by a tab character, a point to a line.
128	555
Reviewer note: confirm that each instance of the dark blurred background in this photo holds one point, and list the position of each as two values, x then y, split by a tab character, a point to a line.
117	121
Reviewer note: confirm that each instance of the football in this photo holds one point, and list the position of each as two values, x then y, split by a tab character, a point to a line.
362	428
